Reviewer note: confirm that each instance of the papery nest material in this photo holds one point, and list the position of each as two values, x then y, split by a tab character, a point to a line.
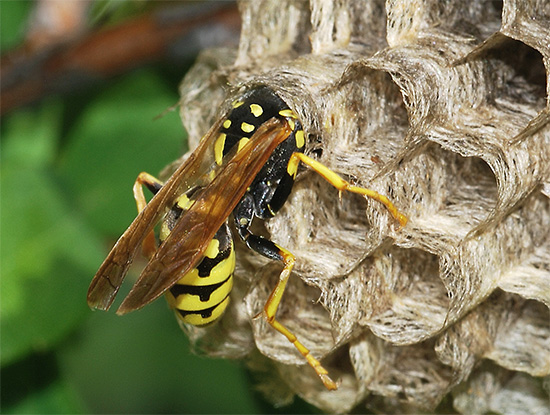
443	107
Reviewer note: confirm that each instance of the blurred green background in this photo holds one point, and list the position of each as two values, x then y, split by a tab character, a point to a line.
67	167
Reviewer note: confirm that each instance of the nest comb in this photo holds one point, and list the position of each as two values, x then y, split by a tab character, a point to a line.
444	108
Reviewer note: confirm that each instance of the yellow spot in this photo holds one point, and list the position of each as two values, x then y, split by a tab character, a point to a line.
227	123
184	202
218	149
256	110
292	166
242	143
288	113
237	104
291	123
212	249
247	128
300	141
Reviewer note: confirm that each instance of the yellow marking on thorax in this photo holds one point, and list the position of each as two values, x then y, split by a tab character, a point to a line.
184	202
256	110
242	143
288	113
291	169
227	123
247	128
290	117
218	148
300	140
237	104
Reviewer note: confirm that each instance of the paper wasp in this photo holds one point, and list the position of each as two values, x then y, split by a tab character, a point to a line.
245	166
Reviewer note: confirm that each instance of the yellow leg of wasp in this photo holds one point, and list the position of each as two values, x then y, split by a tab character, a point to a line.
270	310
339	183
149	244
272	304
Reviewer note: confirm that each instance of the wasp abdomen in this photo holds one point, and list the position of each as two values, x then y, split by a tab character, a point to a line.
202	295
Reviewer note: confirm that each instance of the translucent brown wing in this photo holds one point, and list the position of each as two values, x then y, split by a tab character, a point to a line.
185	245
194	170
183	248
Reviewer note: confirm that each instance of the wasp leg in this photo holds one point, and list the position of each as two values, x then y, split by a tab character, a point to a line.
149	244
340	184
243	216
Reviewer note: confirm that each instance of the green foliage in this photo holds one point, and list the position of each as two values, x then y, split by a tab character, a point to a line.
47	251
112	11
66	176
67	170
120	124
12	14
66	182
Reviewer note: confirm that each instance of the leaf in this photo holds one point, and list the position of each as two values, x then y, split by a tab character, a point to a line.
115	139
141	363
47	258
56	398
13	14
32	386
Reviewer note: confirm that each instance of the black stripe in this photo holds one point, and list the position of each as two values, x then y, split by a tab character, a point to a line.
207	264
203	291
206	313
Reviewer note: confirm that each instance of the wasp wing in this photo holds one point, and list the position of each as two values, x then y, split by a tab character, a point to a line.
193	171
185	245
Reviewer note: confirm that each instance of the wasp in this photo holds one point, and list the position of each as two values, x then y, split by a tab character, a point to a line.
243	167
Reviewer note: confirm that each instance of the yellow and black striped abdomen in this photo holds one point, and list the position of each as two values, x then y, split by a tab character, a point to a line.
202	295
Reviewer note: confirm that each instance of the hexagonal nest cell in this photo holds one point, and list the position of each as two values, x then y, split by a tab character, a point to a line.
443	107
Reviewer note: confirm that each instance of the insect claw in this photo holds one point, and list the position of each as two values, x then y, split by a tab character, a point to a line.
329	383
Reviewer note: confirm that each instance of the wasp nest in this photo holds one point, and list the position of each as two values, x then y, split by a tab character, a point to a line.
442	106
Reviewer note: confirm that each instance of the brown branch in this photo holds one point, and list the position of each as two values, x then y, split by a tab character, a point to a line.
174	33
